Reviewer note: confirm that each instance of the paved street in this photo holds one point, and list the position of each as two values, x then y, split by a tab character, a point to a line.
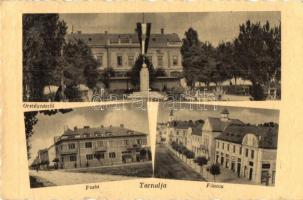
167	165
49	178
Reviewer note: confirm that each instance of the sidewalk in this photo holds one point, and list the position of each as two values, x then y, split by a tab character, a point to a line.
226	175
68	178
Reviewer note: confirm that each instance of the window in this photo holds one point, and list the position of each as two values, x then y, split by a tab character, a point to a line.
227	147
119	60
99	156
160	61
265	166
130	61
100	143
71	146
218	144
175	60
246	152
139	141
252	154
72	158
88	144
126	142
223	146
89	156
251	163
240	150
100	60
234	148
112	154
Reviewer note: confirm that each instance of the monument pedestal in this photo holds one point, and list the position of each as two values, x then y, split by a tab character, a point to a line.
144	79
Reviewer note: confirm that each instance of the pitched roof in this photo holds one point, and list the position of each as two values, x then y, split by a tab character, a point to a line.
180	124
197	130
156	40
196	126
218	125
111	131
268	136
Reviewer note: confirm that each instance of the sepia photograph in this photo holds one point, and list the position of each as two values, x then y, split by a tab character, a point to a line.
188	56
87	145
217	144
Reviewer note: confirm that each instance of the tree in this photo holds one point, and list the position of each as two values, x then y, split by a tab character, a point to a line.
225	54
201	161
258	53
193	57
43	38
30	120
106	74
135	71
215	170
80	67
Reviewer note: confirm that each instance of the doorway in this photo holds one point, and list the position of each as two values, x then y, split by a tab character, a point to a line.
250	173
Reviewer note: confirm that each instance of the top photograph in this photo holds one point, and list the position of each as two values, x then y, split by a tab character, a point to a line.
186	56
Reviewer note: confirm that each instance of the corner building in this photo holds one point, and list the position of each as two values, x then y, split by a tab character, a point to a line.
249	151
101	146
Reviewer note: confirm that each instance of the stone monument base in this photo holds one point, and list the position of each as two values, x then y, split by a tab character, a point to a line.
144	79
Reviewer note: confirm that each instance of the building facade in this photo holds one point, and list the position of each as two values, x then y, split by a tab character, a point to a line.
86	147
249	151
212	128
120	51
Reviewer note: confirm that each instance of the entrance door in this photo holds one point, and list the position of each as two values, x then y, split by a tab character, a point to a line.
238	169
250	173
233	166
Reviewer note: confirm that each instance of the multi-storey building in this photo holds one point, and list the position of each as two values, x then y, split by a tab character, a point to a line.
120	51
249	151
85	147
194	139
211	129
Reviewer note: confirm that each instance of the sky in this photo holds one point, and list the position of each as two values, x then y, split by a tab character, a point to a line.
50	126
247	115
213	27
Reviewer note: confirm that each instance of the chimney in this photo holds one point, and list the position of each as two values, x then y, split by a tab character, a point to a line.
162	31
122	125
110	126
75	128
102	126
105	32
79	32
86	127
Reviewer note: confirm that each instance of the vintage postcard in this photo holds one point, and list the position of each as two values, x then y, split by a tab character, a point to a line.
139	100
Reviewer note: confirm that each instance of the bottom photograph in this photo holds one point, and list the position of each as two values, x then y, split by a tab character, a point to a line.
87	145
217	144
